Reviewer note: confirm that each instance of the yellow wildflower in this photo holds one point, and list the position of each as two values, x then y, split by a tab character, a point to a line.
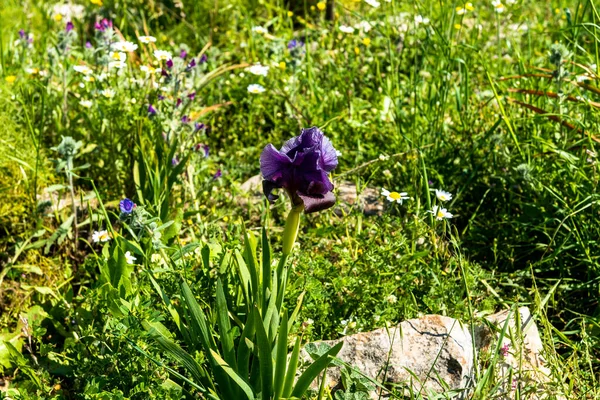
290	13
366	41
282	65
58	17
321	5
357	50
10	78
96	2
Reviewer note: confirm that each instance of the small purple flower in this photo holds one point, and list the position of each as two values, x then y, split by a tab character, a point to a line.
169	64
163	72
504	350
191	65
191	96
302	168
217	174
151	110
183	54
174	161
161	97
203	59
204	147
198	126
103	25
185	119
294	44
88	45
179	101
22	34
69	27
126	206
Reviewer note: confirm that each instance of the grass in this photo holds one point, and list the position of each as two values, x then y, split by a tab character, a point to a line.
469	103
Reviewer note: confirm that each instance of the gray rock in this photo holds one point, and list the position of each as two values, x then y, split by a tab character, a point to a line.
436	354
426	354
368	201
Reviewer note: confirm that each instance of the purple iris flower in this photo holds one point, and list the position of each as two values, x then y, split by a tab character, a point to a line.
203	59
69	27
151	110
185	119
198	126
182	54
302	168
191	65
178	103
217	174
22	34
169	64
191	96
126	206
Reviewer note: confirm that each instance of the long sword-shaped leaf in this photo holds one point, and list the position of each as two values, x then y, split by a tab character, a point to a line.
281	357
243	386
225	327
246	346
291	369
314	370
266	268
264	356
177	353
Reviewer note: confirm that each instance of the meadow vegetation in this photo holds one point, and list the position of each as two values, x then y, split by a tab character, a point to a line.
170	104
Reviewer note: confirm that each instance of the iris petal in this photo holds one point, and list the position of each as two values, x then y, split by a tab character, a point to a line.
272	163
317	202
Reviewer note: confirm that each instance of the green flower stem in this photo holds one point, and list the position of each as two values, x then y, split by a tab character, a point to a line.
291	229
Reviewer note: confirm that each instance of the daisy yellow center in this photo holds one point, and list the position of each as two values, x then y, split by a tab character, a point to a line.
395	195
104	236
440	214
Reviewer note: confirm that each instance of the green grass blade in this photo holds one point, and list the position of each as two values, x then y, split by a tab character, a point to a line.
225	327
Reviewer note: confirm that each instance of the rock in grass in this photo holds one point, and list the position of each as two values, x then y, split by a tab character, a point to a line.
436	354
433	353
368	201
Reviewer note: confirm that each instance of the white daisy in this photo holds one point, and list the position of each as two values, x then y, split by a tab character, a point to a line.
373	3
117	65
498	6
130	258
346	29
392	197
147	39
259	29
440	213
88	104
118	56
125	46
258	69
84	69
365	26
162	55
419	19
100	236
108	93
255	88
442	195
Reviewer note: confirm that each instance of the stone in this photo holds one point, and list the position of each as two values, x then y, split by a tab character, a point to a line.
368	201
418	353
520	361
436	354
